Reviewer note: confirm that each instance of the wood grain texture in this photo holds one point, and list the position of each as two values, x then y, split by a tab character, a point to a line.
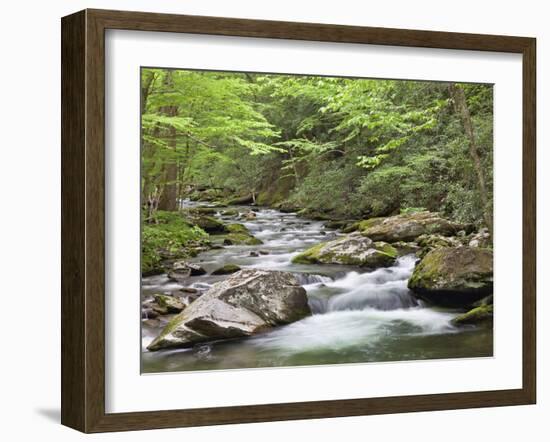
83	220
73	253
529	219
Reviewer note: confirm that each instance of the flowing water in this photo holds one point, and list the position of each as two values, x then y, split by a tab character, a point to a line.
358	315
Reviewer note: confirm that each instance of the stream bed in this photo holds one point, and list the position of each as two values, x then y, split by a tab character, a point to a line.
358	315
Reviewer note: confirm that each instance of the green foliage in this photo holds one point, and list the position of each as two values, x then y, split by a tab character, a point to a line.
349	147
408	210
167	233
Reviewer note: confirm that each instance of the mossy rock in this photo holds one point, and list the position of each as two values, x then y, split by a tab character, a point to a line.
368	223
429	242
338	224
488	300
210	194
482	315
406	248
352	227
204	210
454	276
209	224
168	304
237	235
226	269
237	228
309	256
407	227
240	239
171	236
352	249
240	200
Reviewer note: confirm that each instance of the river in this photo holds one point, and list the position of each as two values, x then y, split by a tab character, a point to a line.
358	315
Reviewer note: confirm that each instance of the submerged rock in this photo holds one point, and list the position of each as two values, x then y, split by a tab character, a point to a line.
353	249
457	276
226	269
246	303
407	227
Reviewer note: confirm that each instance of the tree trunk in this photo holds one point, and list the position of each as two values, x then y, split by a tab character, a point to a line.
148	80
461	107
169	196
147	83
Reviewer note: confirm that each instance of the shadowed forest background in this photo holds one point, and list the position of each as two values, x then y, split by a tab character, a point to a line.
342	147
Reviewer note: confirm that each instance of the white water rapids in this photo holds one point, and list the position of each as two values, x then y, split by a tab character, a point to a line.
358	315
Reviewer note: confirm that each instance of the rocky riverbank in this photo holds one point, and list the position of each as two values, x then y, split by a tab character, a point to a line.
454	269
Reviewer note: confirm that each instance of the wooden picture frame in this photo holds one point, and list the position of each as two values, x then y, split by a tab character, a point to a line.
83	220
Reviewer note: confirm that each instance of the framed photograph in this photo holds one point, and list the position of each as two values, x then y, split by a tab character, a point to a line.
268	220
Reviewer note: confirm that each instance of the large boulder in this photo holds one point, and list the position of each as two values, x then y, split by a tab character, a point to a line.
407	227
352	249
246	303
454	276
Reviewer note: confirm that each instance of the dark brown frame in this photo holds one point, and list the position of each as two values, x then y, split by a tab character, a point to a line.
83	216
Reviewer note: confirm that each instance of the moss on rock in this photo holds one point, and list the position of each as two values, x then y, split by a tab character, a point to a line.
309	256
237	228
454	276
352	249
407	227
477	316
237	234
226	269
168	303
169	235
209	224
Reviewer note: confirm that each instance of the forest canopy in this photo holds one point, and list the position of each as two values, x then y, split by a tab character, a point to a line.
346	147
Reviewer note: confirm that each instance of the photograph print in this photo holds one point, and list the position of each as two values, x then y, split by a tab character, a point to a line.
302	220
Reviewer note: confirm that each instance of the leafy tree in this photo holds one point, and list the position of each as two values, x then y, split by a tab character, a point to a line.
343	146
